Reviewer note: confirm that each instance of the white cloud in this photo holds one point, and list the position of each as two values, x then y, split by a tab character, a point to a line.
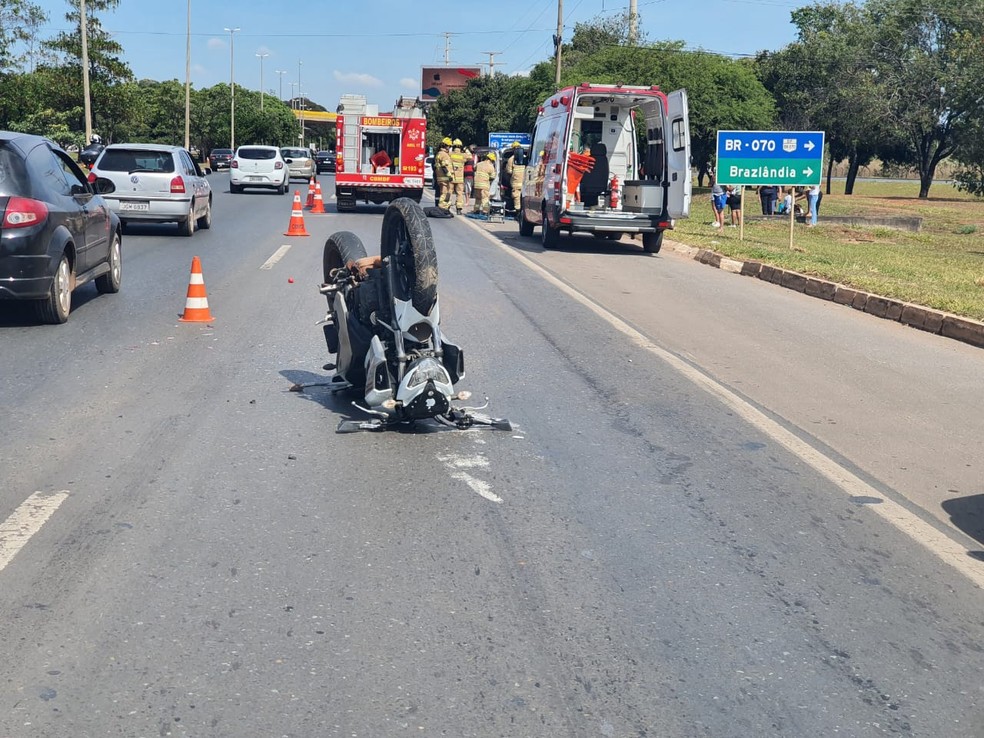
357	78
215	43
410	83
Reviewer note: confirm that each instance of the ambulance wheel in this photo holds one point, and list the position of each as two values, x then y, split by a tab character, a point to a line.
341	248
652	242
550	236
406	236
525	227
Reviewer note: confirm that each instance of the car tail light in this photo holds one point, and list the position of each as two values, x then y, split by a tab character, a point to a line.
278	165
22	212
92	177
177	186
234	164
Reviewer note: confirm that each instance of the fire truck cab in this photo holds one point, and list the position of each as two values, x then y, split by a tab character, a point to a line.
608	160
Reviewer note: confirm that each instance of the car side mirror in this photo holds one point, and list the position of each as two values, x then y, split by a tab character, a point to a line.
103	186
79	190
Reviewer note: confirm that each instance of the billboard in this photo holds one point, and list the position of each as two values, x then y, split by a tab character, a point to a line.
503	140
437	81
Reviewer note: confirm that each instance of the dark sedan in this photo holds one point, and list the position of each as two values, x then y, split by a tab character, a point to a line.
56	232
220	159
325	161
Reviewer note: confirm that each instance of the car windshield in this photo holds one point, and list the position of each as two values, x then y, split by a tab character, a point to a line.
294	153
222	152
246	153
133	160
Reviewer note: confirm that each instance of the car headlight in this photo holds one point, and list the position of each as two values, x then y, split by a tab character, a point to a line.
427	370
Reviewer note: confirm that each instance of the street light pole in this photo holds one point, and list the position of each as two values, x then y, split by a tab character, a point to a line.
188	82
261	57
299	100
232	85
281	72
87	105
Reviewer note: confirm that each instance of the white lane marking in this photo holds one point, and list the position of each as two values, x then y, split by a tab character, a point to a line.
277	256
27	520
455	463
935	541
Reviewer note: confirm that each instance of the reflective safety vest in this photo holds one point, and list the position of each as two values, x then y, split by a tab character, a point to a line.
484	174
458	162
444	166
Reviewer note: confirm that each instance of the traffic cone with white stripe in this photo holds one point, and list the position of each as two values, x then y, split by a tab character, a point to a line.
296	227
319	203
196	305
310	195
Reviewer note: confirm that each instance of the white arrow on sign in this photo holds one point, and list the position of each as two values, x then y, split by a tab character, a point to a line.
809	146
808	172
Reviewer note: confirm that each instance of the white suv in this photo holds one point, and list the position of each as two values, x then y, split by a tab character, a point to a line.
258	166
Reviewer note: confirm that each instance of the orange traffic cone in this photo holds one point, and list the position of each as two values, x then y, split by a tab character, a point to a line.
296	227
310	195
319	203
196	305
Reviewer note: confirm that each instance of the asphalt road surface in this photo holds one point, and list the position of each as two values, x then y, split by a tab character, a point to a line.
724	509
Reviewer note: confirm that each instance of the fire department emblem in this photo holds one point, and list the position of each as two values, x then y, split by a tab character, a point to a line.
413	134
789	145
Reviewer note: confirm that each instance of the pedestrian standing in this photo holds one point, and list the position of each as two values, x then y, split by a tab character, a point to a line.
484	175
719	198
768	195
812	198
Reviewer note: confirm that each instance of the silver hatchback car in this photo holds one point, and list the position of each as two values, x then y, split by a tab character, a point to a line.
157	184
300	163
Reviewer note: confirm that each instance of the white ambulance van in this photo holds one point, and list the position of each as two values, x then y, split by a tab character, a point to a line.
608	160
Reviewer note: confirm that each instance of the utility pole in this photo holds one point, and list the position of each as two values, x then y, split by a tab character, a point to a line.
84	22
188	82
447	49
559	38
261	58
232	85
633	22
281	72
491	60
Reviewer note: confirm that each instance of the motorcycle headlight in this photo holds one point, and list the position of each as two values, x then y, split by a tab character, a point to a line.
426	370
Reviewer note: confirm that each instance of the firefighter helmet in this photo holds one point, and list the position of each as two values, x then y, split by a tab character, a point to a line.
515	144
490	156
457	142
446	141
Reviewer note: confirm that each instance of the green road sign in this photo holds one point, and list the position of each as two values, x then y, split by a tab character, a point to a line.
755	158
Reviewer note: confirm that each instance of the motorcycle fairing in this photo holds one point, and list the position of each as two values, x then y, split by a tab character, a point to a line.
379	388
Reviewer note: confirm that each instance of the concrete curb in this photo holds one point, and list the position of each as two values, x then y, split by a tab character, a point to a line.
926	319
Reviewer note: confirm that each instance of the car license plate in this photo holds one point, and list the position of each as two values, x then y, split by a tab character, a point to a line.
134	206
414	182
255	179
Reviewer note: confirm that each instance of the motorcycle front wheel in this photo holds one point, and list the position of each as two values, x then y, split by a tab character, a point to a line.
341	248
406	236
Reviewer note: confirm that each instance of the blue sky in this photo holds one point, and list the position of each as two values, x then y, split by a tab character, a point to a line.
377	47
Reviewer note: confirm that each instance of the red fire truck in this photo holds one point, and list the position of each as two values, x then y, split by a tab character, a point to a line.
361	171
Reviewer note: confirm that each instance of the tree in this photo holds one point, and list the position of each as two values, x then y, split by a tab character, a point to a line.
929	61
826	81
19	21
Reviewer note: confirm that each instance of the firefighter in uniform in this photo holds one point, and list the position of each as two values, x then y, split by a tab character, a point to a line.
516	168
484	174
458	176
443	170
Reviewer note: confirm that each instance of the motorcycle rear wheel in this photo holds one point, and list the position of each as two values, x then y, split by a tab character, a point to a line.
407	237
341	248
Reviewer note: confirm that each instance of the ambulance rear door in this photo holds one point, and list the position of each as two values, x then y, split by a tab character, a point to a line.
680	188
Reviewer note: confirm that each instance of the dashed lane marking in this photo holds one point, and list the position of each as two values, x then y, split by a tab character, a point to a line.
27	520
277	256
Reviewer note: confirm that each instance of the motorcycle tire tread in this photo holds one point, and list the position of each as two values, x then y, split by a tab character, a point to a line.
423	280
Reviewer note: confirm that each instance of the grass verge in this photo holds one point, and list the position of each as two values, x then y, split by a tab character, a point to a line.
941	266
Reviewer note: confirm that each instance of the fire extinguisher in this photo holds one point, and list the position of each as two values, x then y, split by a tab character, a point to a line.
614	196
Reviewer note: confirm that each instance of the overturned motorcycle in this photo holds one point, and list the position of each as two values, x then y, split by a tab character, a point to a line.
383	325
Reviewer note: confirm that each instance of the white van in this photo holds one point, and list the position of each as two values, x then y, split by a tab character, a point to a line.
589	173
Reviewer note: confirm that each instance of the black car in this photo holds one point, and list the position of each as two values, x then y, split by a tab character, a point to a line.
325	161
90	153
220	159
56	232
